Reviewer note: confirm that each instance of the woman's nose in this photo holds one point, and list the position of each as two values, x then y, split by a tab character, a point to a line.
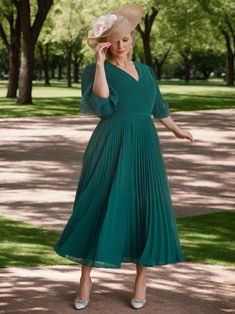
119	44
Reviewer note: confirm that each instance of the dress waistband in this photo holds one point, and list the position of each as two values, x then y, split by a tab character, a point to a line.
130	114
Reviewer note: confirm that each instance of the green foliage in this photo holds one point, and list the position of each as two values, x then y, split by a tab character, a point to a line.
184	26
3	61
6	9
221	13
206	61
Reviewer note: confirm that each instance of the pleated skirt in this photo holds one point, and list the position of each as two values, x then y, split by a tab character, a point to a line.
122	211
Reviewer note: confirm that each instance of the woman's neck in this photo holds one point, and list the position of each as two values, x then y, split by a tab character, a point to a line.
120	62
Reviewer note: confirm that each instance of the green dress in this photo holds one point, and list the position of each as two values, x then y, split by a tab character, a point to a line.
122	210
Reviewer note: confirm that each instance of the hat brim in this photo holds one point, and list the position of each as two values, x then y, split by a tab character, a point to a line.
130	12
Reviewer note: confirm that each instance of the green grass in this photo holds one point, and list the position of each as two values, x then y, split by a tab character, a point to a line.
23	244
208	239
198	97
58	100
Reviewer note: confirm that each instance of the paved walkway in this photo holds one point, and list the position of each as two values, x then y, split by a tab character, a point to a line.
41	158
40	165
183	288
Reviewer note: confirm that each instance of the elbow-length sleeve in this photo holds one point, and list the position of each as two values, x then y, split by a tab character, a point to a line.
91	103
161	107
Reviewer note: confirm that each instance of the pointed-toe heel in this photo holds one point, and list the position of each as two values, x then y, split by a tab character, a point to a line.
138	304
80	303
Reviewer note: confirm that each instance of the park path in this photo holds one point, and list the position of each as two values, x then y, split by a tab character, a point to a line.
41	158
40	163
183	288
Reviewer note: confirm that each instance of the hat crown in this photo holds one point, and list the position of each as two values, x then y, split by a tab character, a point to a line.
101	24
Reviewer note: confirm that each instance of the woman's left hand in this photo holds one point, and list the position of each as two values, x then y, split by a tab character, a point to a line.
175	128
181	133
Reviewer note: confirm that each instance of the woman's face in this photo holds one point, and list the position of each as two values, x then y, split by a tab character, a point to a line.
122	46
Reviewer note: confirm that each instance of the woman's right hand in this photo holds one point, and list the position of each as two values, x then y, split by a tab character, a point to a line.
101	50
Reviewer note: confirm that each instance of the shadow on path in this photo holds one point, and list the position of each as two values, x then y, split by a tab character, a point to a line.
180	289
41	157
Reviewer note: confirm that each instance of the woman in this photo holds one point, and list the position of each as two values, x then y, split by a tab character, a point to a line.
122	210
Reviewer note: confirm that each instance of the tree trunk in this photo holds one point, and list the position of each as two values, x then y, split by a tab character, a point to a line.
40	74
159	72
230	69
187	74
147	50
13	48
29	39
75	70
13	61
60	68
206	74
145	35
229	59
53	72
187	64
26	74
160	62
69	66
44	61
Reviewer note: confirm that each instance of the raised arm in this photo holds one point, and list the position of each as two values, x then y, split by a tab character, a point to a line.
98	98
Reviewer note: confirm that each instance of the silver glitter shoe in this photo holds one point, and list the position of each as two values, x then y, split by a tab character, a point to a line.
137	304
81	304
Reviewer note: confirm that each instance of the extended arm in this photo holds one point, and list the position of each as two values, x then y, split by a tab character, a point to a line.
162	112
170	124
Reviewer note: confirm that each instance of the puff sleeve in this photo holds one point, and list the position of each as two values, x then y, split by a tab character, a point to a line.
91	103
161	107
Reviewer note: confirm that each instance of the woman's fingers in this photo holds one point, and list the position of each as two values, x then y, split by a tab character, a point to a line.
103	45
189	136
185	134
101	49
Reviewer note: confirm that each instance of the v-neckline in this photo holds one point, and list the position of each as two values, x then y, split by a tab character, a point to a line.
132	77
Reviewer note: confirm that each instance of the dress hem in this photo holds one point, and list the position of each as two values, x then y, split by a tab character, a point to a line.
101	264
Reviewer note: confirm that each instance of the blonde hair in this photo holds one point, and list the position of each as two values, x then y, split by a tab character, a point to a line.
130	53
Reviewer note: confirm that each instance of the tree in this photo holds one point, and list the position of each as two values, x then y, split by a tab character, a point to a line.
221	14
206	61
10	35
190	32
29	39
156	39
67	32
44	56
145	32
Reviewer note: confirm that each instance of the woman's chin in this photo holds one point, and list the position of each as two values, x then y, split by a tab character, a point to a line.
123	53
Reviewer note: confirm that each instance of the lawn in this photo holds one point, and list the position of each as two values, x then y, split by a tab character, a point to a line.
207	238
56	100
23	244
61	100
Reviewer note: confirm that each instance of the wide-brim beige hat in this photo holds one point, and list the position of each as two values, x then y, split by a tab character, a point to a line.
115	24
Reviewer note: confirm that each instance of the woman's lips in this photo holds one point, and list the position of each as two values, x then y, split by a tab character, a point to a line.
120	51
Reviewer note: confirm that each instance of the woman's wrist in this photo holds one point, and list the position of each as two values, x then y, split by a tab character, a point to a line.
171	125
100	63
